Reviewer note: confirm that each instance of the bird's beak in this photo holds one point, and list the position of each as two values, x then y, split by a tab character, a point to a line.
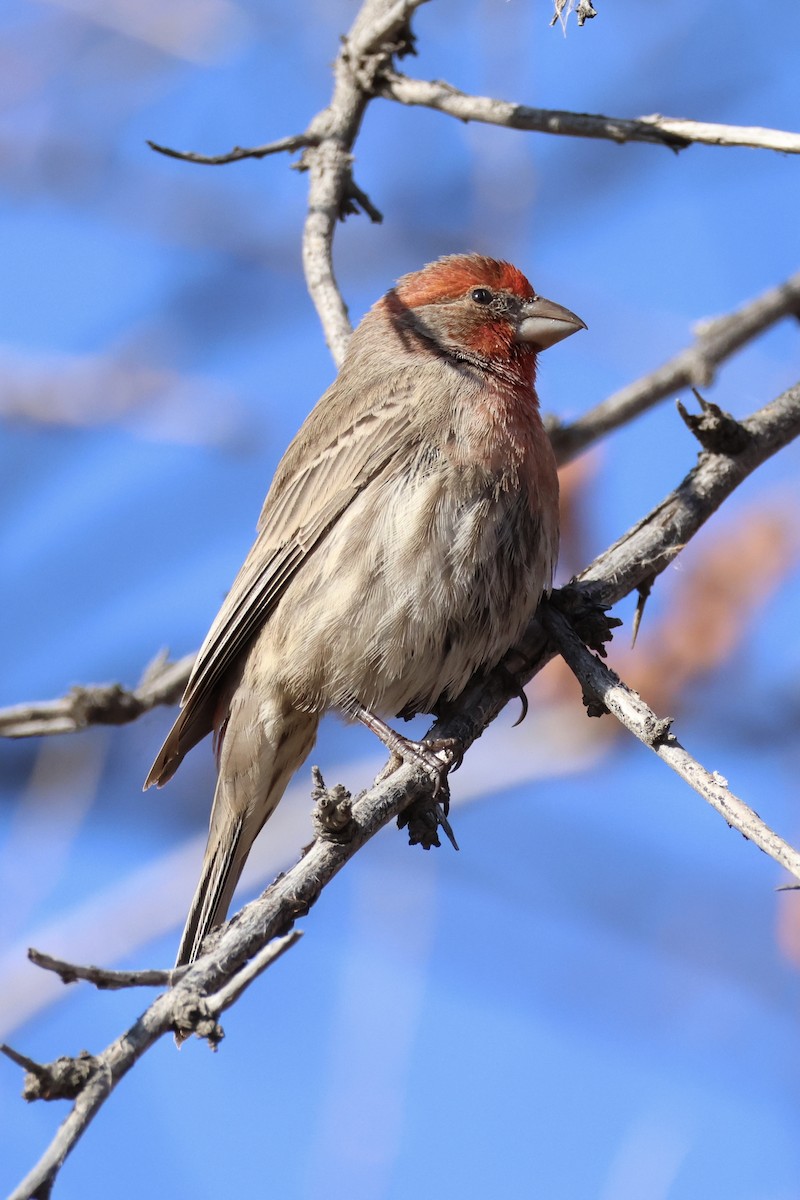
543	323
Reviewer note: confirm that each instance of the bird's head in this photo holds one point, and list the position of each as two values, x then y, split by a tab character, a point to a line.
479	309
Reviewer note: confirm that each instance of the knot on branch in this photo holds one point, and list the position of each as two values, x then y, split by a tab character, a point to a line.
107	704
676	143
367	67
717	431
422	820
594	706
587	615
657	730
63	1079
193	1014
333	810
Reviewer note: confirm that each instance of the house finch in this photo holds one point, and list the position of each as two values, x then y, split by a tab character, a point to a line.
406	540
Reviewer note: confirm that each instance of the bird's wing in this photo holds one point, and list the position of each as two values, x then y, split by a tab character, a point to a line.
311	489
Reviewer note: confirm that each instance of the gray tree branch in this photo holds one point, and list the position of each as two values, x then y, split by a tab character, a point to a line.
102	978
696	366
163	682
674	132
598	681
380	31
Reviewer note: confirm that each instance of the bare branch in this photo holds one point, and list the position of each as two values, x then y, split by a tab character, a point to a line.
163	682
379	31
694	367
230	992
649	547
364	69
103	979
38	1183
676	133
63	1079
245	936
21	1060
632	712
297	141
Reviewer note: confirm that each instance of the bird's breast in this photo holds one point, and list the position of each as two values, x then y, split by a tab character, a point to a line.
431	573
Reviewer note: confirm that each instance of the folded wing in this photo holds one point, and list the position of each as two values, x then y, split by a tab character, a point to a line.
303	505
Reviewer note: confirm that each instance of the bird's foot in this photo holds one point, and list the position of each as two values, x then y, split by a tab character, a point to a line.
438	756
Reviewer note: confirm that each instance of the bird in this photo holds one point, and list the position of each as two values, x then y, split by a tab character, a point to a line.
408	535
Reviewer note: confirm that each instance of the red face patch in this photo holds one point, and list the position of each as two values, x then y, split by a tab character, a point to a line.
454	276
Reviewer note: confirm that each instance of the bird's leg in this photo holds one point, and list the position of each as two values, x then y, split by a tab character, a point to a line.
427	754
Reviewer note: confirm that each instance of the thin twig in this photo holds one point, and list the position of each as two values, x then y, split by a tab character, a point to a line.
21	1060
695	366
674	132
380	31
297	141
230	992
632	712
103	979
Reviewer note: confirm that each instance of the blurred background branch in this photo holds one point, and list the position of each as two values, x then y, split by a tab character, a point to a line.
163	682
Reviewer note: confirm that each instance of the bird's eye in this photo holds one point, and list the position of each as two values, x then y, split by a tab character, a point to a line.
481	296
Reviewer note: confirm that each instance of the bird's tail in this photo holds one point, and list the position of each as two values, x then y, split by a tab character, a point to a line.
259	750
222	866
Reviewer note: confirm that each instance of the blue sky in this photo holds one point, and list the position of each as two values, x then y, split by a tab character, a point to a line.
599	995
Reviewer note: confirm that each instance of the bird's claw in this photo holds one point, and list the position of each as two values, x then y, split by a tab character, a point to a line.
438	757
519	691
